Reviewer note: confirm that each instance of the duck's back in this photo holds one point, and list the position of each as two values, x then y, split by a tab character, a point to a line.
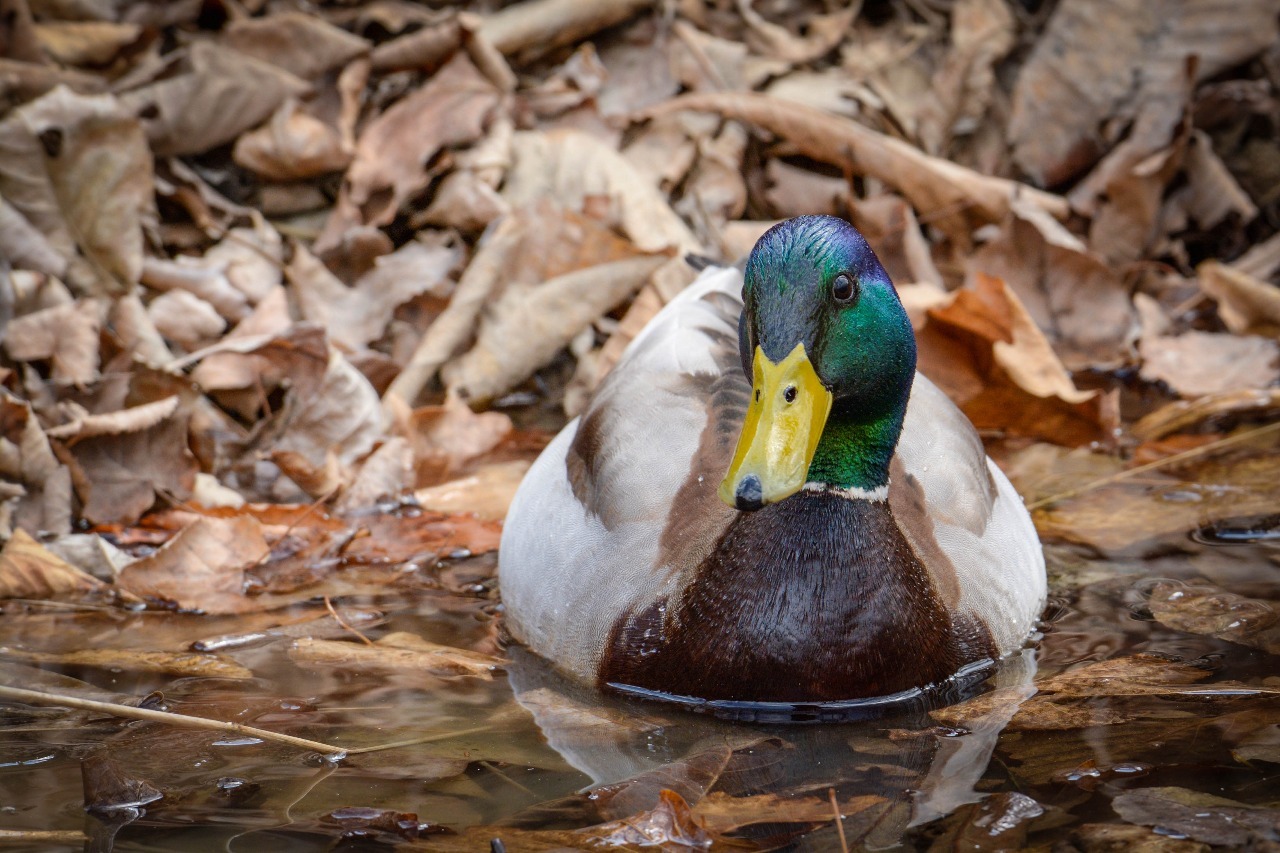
620	511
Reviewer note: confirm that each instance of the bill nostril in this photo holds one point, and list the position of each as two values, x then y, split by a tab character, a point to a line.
750	494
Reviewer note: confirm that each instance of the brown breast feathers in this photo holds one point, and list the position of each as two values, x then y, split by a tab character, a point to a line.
816	598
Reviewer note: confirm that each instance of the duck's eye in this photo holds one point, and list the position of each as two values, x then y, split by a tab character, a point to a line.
843	287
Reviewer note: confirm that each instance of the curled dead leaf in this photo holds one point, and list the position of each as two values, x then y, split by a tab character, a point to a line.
207	96
987	353
202	568
452	109
29	570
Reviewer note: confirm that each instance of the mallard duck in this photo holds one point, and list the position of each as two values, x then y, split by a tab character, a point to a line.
764	502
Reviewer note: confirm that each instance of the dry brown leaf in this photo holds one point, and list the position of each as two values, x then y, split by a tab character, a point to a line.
538	26
44	505
85	42
794	191
532	244
394	150
486	494
179	664
1195	363
396	652
356	316
388	471
445	437
343	416
1099	62
1245	304
78	168
29	570
208	96
319	481
422	537
986	352
236	371
124	474
1183	414
982	34
132	419
210	285
822	34
186	319
893	231
294	145
526	328
203	567
1212	193
716	191
24	246
425	49
1080	303
251	259
304	45
66	336
1198	363
950	194
584	174
90	553
707	63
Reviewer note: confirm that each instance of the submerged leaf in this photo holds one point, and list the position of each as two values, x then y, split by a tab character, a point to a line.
397	652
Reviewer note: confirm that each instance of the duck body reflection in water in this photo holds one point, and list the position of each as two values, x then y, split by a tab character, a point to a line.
921	773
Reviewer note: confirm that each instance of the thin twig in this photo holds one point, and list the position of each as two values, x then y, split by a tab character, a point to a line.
839	818
45	836
37	697
431	738
329	605
1159	463
505	778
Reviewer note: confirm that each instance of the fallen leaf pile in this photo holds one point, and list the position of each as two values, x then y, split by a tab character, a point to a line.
291	294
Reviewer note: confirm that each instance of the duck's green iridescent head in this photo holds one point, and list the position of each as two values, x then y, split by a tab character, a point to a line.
831	355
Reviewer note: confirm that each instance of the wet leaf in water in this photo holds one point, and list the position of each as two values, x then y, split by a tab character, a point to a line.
1211	610
690	777
671	823
136	660
396	652
1118	516
108	786
1200	817
999	822
1106	837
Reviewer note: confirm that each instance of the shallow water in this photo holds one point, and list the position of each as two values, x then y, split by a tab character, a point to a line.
507	757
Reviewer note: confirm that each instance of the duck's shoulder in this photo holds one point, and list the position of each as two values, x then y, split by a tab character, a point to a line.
642	434
964	519
612	509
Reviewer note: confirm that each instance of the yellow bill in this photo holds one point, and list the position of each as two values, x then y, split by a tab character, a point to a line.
788	409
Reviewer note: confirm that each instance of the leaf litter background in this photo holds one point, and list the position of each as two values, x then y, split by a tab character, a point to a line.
293	293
